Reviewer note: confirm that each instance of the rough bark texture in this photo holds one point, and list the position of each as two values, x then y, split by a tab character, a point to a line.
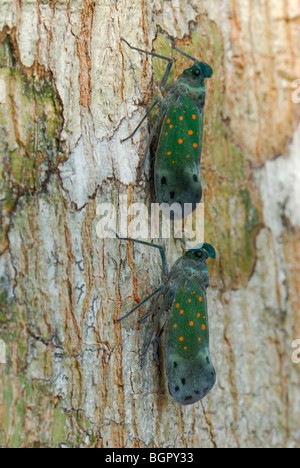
72	91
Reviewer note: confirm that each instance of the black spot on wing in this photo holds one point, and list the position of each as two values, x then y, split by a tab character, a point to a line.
188	398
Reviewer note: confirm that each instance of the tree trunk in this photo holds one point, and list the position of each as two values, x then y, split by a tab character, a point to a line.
70	90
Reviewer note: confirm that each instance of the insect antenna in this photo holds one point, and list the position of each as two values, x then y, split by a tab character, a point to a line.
146	52
159	247
181	51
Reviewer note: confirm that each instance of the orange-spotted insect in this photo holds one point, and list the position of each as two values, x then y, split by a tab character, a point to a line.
191	374
178	154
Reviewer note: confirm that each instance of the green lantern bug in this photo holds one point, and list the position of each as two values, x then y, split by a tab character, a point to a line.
191	374
180	120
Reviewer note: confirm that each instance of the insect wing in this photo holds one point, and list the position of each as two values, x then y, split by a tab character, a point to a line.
177	167
190	371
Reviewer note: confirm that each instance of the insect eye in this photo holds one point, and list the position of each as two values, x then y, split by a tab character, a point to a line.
196	72
199	254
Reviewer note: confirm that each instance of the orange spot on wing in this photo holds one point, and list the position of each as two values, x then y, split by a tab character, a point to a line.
180	141
203	327
181	118
185	348
181	338
191	132
175	326
169	153
190	300
168	121
195	145
198	315
200	299
194	117
177	305
191	324
182	312
171	126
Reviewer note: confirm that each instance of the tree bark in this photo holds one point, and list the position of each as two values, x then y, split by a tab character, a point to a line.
70	91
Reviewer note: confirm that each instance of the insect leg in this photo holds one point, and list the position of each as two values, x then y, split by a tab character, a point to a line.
149	339
159	247
155	344
153	132
140	305
153	308
207	70
170	64
156	102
